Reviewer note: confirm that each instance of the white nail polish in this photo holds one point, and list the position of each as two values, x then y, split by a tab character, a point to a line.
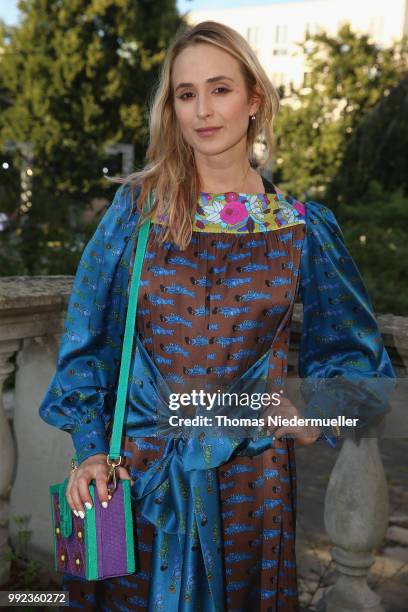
81	514
104	504
75	512
88	505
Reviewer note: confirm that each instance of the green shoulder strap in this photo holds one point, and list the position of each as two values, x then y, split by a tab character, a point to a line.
121	397
116	438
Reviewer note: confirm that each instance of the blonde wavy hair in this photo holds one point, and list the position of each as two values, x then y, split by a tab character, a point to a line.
171	170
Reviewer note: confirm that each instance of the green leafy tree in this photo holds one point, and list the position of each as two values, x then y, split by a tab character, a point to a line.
370	191
79	74
343	143
347	76
375	232
378	150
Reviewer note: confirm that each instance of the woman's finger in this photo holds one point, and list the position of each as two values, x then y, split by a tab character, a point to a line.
68	494
102	487
83	489
292	431
76	500
282	431
303	435
310	436
123	474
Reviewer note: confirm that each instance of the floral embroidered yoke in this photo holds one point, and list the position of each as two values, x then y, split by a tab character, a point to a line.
215	517
242	213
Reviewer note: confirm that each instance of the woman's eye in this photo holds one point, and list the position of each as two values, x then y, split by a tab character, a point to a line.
184	94
187	93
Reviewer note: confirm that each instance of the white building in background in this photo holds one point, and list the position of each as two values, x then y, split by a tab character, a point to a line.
274	30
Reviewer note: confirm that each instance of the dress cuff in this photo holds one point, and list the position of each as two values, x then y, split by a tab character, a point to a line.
89	437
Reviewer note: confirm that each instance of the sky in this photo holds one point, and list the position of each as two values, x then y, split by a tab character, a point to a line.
9	12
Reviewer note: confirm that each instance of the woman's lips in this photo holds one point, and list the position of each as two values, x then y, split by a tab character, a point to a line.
208	132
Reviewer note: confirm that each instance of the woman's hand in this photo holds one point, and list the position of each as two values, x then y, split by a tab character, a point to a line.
304	435
93	468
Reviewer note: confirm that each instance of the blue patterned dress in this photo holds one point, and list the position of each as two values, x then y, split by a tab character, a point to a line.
215	518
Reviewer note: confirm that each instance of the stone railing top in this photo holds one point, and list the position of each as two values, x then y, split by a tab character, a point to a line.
21	295
33	293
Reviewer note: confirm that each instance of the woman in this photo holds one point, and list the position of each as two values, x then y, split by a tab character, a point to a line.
227	253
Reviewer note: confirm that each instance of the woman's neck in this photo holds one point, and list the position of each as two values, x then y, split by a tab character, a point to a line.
251	183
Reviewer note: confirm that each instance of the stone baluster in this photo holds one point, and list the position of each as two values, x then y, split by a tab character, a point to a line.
356	518
31	311
7	459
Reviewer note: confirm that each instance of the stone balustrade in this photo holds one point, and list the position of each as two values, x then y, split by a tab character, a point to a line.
33	455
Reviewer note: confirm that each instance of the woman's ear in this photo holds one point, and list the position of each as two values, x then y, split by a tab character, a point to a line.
255	100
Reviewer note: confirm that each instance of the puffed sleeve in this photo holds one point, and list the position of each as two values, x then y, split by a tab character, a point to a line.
342	359
81	396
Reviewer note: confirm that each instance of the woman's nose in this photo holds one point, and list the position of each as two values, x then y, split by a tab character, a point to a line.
203	108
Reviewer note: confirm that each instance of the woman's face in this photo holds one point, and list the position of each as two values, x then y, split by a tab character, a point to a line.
209	91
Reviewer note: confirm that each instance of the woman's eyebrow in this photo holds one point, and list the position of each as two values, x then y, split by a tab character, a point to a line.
210	80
